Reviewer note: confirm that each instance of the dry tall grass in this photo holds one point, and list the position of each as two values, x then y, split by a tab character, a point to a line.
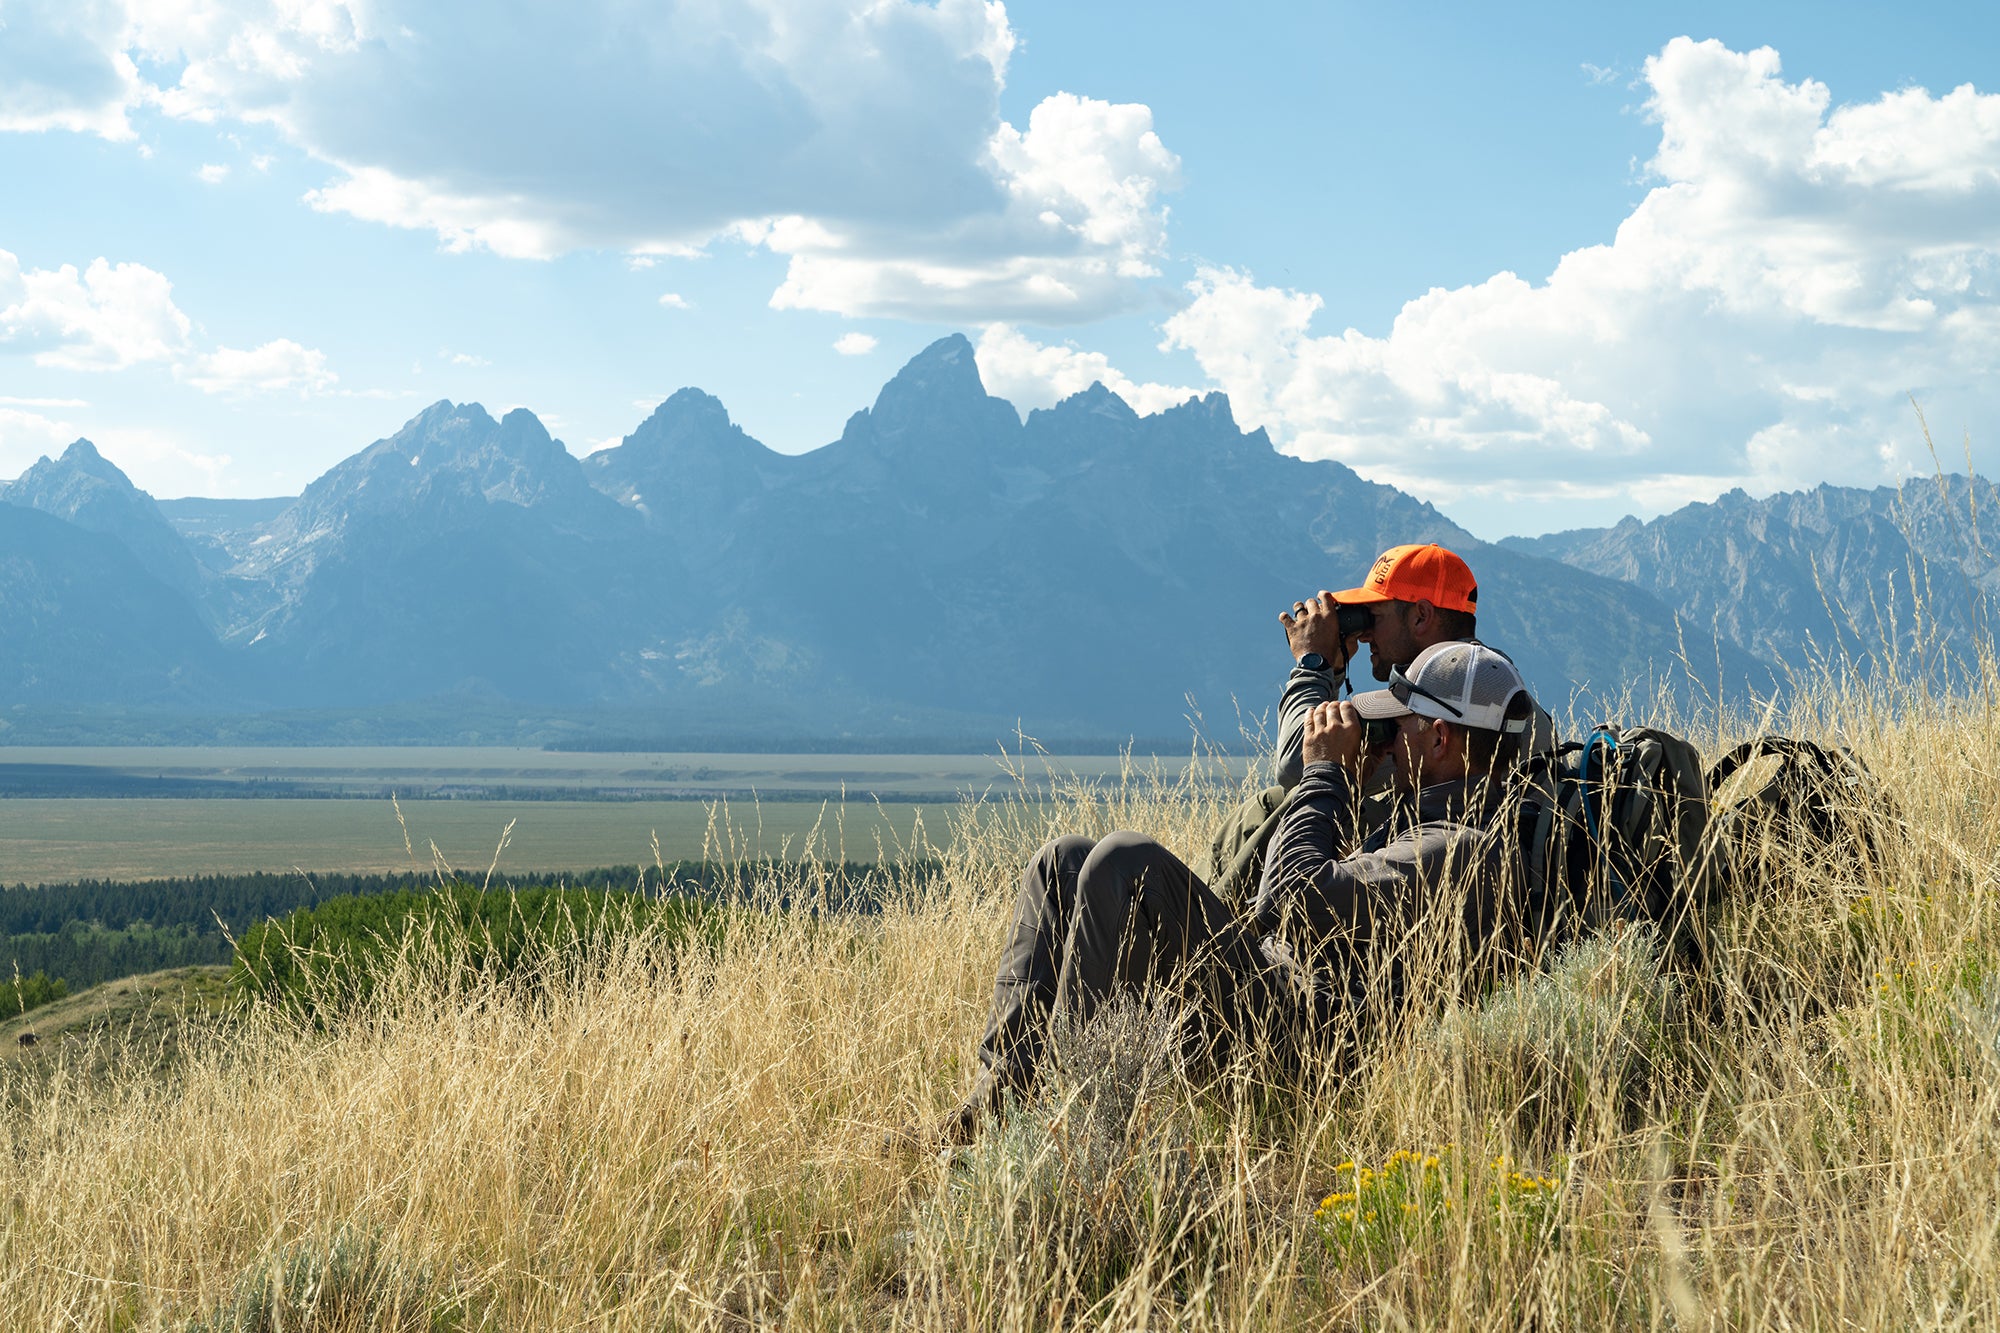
696	1140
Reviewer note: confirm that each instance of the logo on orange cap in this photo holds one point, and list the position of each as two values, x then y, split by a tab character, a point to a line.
1418	573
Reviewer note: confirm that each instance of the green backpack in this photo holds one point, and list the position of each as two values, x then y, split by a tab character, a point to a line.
1779	801
1236	853
1623	835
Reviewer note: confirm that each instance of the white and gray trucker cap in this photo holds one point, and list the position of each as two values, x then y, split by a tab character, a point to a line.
1466	683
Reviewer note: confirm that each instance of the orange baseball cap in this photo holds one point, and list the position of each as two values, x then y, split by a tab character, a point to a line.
1426	573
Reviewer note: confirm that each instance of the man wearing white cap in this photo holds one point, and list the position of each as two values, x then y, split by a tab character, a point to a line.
1124	914
1332	891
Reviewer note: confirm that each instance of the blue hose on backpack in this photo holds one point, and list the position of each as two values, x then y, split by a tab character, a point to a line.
1594	766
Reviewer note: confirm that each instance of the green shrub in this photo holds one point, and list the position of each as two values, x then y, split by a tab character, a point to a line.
323	959
349	1283
30	992
1588	1043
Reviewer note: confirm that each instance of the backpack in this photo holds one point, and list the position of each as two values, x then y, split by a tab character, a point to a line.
1236	853
1619	832
1781	793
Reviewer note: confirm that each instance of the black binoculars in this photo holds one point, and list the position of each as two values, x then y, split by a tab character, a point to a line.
1377	732
1352	620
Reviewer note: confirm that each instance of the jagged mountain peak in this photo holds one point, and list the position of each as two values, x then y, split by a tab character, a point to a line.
442	420
83	454
446	427
1858	573
440	410
461	437
686	453
951	355
936	403
688	419
690	405
1097	401
86	488
1212	408
80	460
945	372
448	456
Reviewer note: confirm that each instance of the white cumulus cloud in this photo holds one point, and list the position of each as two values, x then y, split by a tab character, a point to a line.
1759	319
1080	228
675	301
278	366
862	141
64	66
1029	374
213	173
112	317
855	344
107	317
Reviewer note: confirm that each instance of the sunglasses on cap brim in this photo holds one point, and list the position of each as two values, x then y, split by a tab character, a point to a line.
1403	687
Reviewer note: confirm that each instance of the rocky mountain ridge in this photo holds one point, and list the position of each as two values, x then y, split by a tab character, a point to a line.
1823	576
944	567
84	488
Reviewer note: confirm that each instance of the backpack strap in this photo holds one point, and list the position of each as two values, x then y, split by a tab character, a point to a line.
1803	781
1841	764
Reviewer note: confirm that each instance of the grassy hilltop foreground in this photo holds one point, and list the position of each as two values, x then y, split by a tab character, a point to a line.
653	1135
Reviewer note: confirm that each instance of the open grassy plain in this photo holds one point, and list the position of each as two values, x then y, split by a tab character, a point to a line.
45	841
1803	1133
523	773
135	812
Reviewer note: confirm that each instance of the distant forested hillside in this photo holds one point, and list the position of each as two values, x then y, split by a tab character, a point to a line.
98	930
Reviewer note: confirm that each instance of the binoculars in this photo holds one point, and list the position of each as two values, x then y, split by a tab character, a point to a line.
1377	732
1352	620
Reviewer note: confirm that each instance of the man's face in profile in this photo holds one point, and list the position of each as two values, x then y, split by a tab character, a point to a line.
1390	643
1406	752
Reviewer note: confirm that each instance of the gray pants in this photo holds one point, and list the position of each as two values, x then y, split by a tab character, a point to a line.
1094	919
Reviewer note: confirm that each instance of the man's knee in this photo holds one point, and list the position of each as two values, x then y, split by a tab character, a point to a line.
1059	858
1049	879
1132	861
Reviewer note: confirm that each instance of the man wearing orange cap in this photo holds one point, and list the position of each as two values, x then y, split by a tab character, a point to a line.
1124	913
1419	595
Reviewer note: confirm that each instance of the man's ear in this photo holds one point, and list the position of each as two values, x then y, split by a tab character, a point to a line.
1422	620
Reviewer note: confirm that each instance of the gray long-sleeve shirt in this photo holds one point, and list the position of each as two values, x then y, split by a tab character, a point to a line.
1305	690
1331	894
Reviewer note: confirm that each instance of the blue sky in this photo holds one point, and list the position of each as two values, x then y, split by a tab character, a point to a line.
1543	266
